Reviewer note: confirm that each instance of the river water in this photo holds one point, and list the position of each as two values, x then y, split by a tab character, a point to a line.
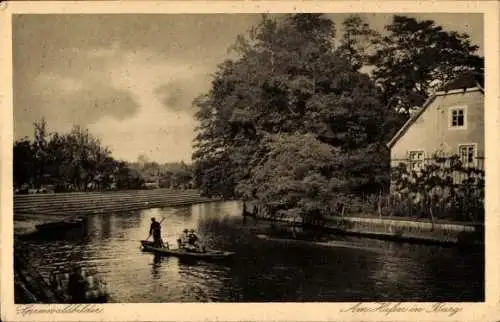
262	270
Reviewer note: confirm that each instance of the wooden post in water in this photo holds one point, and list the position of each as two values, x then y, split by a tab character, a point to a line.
379	205
244	208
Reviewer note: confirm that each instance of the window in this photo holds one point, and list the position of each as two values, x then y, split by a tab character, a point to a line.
467	153
457	117
416	159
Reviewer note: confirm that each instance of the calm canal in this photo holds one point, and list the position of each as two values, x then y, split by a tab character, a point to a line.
262	270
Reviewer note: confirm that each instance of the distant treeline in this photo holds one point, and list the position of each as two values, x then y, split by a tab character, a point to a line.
77	161
174	175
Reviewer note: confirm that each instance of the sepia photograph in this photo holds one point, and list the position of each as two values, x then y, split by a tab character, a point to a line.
311	157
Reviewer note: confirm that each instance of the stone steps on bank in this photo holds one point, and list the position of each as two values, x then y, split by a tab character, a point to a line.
25	199
114	199
84	203
112	206
94	197
98	195
102	200
100	210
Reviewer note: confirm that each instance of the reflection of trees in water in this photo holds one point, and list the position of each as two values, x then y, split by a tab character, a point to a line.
199	210
183	211
403	269
64	242
205	217
217	223
390	269
270	271
203	281
450	269
213	207
155	266
72	234
218	208
126	220
221	232
106	229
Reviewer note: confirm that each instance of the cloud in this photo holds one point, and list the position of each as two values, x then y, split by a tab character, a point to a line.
58	82
178	94
162	133
83	101
99	52
135	101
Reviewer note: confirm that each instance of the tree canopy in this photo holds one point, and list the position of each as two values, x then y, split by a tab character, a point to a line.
417	57
288	85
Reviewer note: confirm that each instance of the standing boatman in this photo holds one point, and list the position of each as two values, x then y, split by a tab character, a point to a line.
155	231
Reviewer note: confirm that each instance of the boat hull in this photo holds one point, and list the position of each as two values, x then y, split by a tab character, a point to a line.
207	255
61	225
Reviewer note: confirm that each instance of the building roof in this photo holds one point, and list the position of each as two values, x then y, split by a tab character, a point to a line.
448	91
468	79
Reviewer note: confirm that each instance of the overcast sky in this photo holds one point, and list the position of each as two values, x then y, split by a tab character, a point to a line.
130	79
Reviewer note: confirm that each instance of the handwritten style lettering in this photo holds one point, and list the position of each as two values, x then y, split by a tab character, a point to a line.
64	309
390	308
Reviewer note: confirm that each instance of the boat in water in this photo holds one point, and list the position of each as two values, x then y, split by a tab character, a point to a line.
66	224
330	243
209	254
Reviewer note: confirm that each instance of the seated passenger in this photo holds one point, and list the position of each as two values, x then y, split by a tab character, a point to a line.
192	237
194	242
183	239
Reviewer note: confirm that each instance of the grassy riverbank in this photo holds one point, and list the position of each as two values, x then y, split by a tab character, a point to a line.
30	210
29	285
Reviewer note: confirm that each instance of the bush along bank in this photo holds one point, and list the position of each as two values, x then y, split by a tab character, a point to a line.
63	285
401	229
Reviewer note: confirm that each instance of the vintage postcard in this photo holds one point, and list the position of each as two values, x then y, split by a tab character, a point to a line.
250	161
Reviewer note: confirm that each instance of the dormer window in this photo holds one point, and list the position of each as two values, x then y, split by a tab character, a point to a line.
457	117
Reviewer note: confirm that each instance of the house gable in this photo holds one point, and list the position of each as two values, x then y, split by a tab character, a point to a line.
430	130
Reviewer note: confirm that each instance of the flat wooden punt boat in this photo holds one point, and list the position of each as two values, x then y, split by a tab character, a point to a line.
332	243
61	225
209	254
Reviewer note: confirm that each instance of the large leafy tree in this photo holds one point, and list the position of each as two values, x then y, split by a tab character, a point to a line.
417	57
288	79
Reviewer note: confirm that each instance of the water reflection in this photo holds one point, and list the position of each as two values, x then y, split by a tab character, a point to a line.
106	226
155	266
262	270
395	269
